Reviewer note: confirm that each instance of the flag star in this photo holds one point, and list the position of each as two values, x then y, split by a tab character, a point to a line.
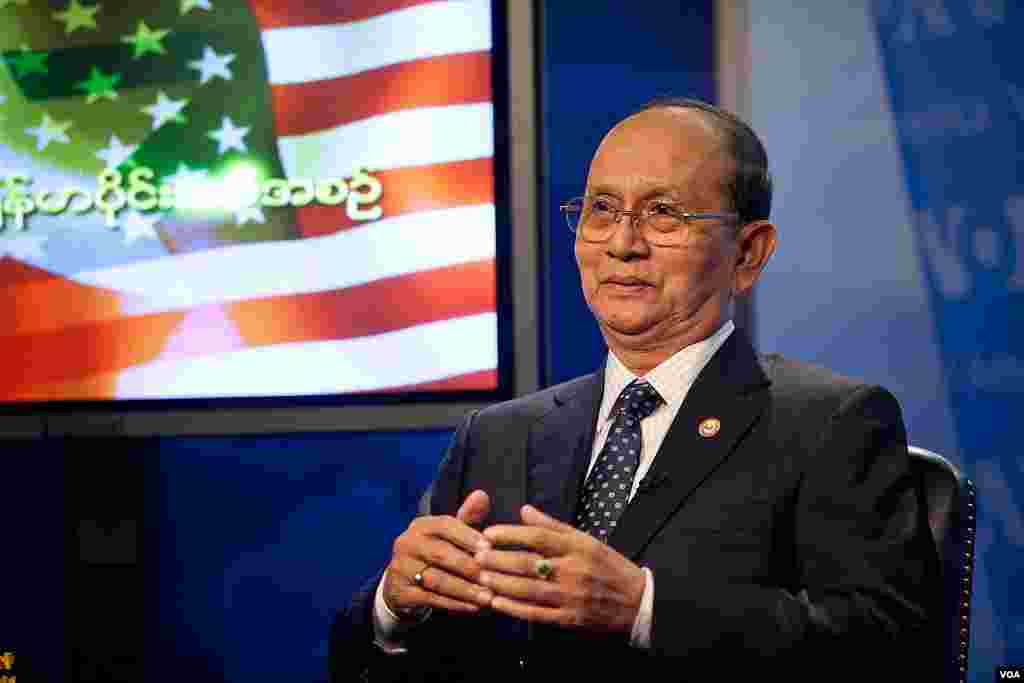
212	65
116	153
229	136
23	247
165	109
146	40
189	5
49	131
98	86
136	226
249	213
27	62
77	16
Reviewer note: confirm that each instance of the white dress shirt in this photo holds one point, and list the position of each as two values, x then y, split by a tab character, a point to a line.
672	380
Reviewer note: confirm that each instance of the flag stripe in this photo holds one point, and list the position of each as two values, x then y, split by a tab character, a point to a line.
339	314
104	386
316	53
410	190
421	241
404	244
416	355
414	137
301	108
480	380
283	13
373	308
54	303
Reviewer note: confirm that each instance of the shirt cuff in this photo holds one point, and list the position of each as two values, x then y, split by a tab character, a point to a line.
640	636
388	627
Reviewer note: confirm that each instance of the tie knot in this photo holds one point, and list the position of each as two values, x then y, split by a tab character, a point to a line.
639	399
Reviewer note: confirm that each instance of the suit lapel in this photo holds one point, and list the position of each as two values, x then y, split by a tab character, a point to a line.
560	447
731	388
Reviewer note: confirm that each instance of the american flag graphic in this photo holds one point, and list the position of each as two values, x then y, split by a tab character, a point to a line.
255	301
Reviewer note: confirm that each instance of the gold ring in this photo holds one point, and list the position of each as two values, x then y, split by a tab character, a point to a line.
417	578
544	568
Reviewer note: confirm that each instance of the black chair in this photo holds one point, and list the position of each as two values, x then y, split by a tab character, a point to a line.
952	517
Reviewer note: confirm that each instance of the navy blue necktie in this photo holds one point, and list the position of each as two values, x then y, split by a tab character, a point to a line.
607	489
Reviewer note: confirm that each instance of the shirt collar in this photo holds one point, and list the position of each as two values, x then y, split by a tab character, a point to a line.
672	378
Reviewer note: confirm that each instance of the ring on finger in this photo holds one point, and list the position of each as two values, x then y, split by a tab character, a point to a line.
417	578
544	569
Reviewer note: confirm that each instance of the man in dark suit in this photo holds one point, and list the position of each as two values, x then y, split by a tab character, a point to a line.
690	510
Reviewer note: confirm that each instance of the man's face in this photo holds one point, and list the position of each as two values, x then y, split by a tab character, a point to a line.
648	297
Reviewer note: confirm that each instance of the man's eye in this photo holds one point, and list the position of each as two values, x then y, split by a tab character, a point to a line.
661	210
601	206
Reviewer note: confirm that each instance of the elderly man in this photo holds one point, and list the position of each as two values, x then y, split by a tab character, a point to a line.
691	509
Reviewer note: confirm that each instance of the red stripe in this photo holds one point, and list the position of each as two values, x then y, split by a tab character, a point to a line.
29	363
282	13
376	307
373	308
34	300
301	108
408	190
13	271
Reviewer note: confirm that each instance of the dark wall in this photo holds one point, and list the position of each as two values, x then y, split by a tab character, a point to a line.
601	63
224	558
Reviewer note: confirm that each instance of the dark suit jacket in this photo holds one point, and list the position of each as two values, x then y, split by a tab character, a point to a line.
794	539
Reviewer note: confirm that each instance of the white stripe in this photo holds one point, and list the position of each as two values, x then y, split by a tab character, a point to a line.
410	356
312	53
388	247
411	137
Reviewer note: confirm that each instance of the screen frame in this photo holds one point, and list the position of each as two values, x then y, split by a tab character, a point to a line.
517	243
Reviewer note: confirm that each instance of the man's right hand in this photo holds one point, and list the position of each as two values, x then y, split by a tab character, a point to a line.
440	549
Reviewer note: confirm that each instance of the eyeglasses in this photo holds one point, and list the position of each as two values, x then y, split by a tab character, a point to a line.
661	223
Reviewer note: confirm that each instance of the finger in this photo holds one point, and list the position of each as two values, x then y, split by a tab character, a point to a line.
530	590
400	595
508	561
534	613
429	599
438	581
435	552
450	529
475	508
531	516
547	542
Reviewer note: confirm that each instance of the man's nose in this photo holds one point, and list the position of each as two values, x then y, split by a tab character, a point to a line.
626	239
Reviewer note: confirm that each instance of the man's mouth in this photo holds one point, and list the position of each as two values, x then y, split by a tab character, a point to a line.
627	282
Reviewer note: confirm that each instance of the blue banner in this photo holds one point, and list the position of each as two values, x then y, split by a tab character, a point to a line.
957	98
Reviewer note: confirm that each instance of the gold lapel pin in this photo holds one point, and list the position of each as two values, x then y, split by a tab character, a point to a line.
709	427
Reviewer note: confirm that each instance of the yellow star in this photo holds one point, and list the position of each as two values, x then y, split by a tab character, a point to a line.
77	16
146	40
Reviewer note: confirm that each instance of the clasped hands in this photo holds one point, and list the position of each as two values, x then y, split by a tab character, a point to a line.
461	569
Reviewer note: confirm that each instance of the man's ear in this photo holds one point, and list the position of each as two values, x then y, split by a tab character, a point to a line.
756	242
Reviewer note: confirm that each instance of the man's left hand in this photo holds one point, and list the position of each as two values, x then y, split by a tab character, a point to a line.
591	586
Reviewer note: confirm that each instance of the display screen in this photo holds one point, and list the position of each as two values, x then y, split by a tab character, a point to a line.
223	199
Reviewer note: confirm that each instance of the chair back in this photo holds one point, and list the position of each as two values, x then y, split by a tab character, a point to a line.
950	497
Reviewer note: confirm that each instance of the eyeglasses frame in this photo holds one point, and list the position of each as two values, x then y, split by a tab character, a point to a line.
576	204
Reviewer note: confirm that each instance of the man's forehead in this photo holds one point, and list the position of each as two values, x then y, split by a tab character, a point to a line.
659	151
686	127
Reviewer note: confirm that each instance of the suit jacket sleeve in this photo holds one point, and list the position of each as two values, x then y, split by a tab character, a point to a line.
860	557
352	654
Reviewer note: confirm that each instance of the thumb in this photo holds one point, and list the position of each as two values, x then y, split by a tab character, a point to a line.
474	509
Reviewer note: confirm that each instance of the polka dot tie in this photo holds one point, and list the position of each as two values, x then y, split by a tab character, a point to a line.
607	489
